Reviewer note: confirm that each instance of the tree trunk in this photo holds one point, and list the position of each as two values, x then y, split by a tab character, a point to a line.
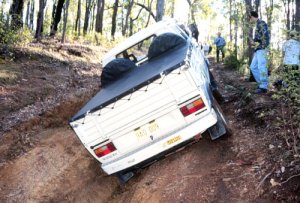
114	19
127	16
2	9
297	16
53	12
27	14
131	27
172	8
260	10
191	16
99	5
16	11
230	20
65	21
32	15
236	32
87	16
77	22
249	28
293	15
99	16
160	10
92	22
257	4
269	10
40	20
288	15
57	17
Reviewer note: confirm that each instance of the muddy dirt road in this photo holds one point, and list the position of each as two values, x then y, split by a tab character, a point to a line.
42	160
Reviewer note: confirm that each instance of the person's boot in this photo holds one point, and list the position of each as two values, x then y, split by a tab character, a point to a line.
260	91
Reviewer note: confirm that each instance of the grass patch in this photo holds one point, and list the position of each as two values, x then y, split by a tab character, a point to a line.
8	77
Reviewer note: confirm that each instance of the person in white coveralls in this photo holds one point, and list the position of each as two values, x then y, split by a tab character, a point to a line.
291	62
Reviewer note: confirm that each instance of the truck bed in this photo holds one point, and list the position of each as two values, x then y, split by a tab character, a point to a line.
135	79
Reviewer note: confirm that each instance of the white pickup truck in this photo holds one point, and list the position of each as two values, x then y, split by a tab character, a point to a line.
156	97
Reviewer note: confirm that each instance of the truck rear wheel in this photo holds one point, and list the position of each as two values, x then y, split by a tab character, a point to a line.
222	126
214	88
124	177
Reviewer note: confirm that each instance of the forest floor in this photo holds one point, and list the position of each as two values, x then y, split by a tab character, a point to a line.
41	159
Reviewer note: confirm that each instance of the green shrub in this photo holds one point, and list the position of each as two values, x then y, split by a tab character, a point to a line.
289	93
24	36
9	36
95	39
231	61
288	96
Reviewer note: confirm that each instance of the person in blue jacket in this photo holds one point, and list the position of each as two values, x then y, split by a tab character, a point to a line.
259	62
220	45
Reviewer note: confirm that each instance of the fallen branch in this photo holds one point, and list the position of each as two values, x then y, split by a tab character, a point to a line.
229	179
267	130
284	127
289	179
292	129
264	179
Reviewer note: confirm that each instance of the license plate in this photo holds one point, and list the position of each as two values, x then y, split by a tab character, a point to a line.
174	139
146	130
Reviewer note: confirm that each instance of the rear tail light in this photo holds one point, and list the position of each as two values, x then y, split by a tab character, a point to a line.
104	150
192	107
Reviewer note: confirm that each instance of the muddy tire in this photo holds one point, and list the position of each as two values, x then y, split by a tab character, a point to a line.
124	177
221	128
214	88
218	96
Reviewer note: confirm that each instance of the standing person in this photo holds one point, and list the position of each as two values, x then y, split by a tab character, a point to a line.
220	44
259	61
205	49
291	51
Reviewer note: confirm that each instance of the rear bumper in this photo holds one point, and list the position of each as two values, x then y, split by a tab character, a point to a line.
161	145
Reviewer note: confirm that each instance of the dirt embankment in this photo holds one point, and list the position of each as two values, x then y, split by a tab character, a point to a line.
43	161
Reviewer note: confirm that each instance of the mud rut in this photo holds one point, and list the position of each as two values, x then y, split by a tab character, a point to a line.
59	169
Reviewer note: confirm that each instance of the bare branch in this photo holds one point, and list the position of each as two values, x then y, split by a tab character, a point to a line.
263	180
137	16
147	9
289	179
189	2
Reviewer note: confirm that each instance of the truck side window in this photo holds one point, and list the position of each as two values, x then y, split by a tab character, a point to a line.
131	57
138	52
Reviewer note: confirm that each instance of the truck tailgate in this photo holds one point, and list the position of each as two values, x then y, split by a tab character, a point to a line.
138	118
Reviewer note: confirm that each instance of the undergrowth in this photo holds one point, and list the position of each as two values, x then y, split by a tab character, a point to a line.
10	36
288	95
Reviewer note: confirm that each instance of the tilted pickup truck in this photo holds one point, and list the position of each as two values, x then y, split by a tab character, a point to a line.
156	97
